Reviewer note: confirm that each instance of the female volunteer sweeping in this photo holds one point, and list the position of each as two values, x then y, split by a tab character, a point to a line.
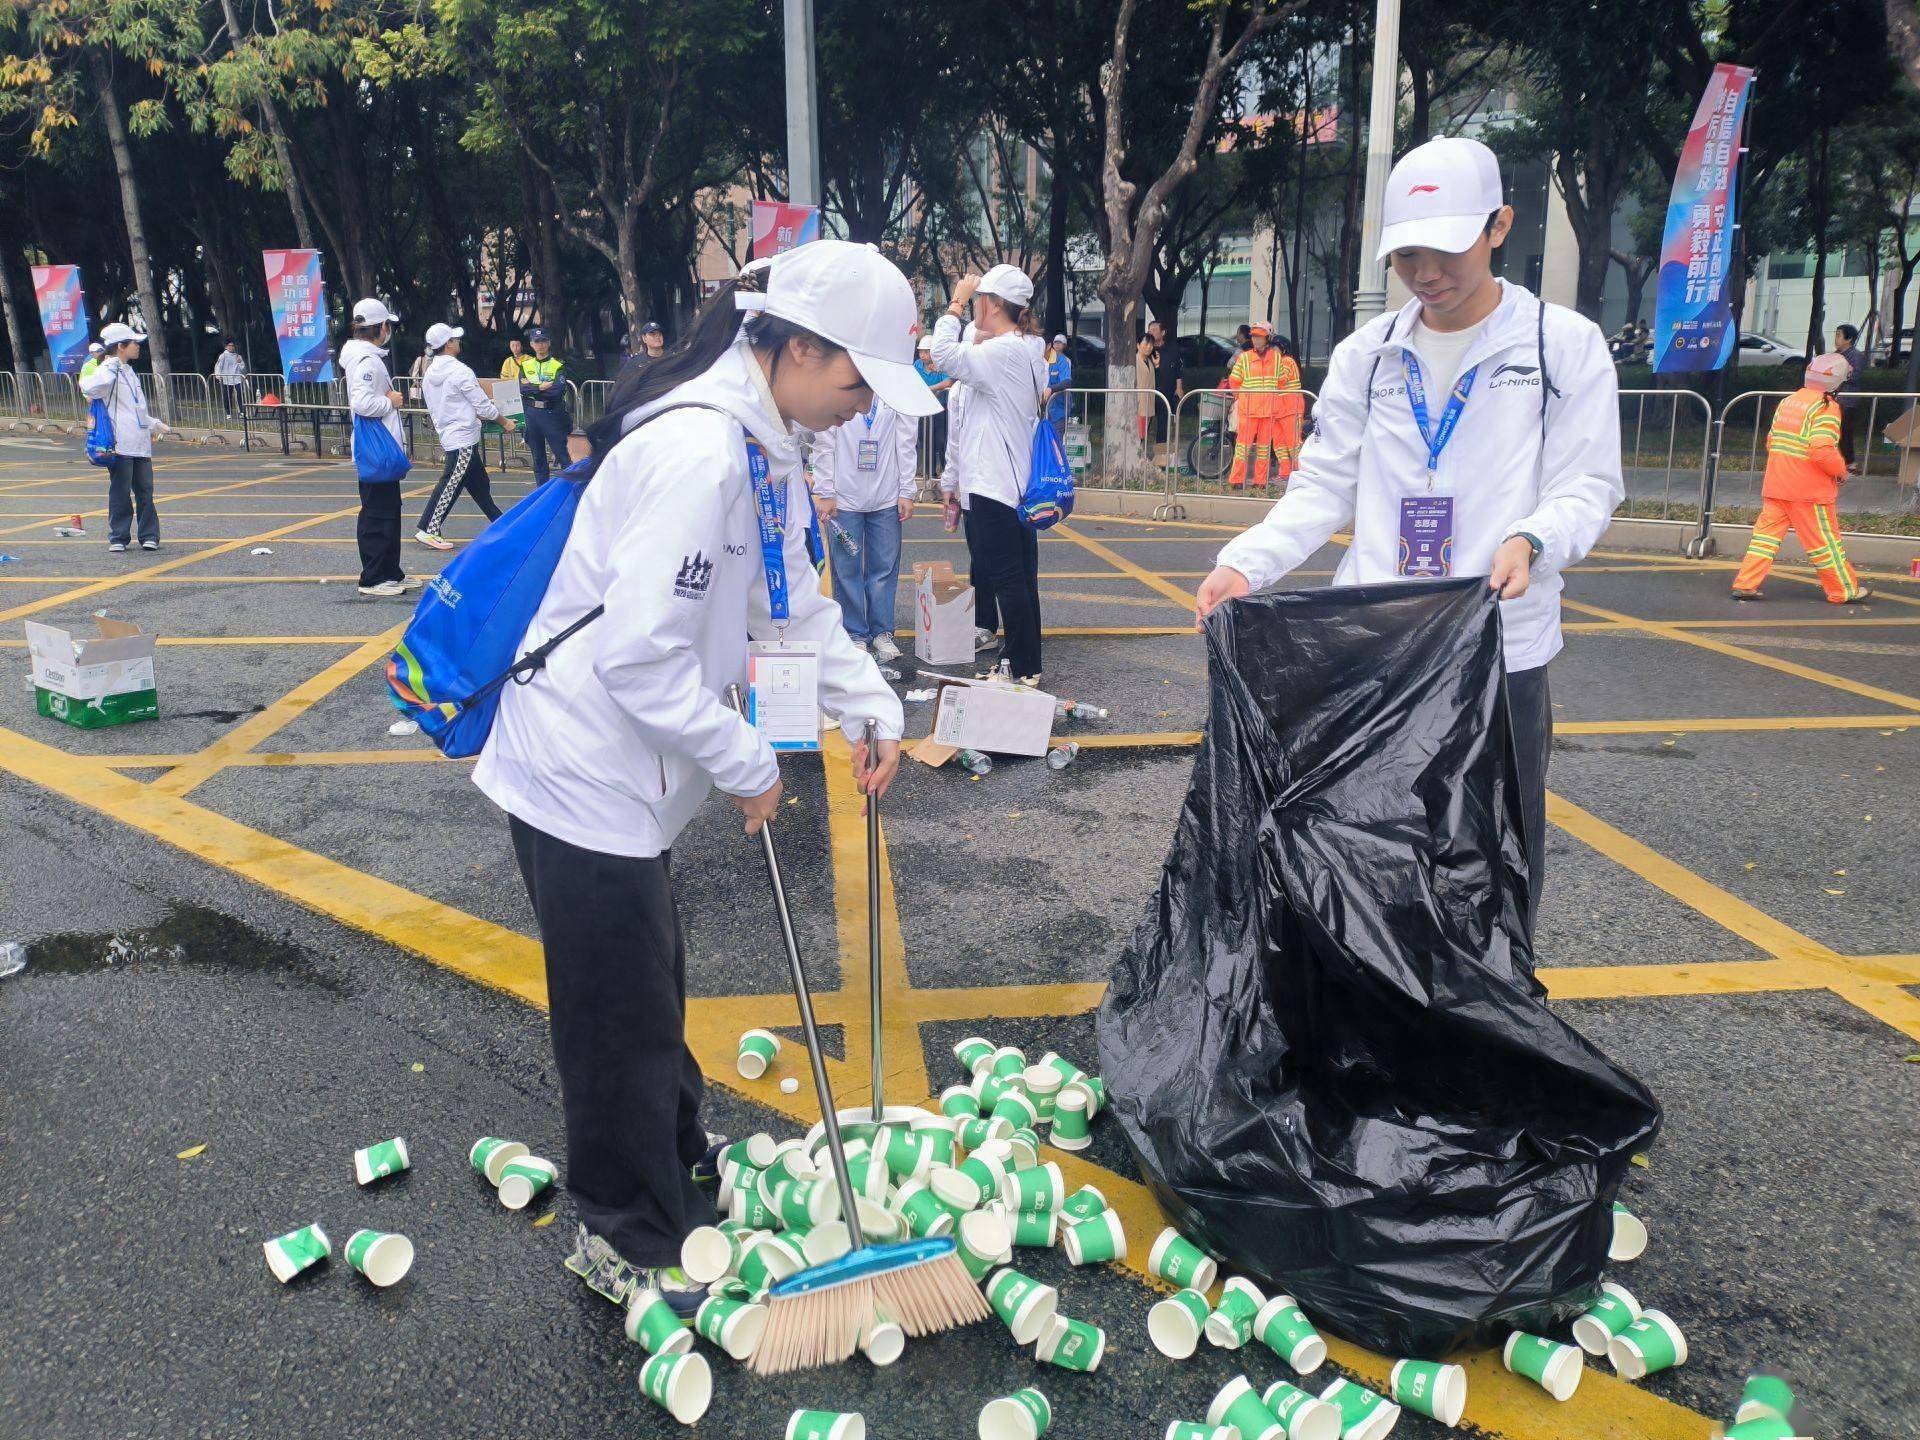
692	534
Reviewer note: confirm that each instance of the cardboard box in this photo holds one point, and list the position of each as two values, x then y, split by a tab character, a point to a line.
942	616
1077	440
1903	432
999	719
506	395
93	683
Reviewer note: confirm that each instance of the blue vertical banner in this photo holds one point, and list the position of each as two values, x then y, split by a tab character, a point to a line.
63	316
1693	306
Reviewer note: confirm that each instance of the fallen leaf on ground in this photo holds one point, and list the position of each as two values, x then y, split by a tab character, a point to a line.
1751	865
1643	1162
1839	872
1831	891
190	1152
418	1068
546	1219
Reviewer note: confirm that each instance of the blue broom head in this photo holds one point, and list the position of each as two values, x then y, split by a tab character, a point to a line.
868	1263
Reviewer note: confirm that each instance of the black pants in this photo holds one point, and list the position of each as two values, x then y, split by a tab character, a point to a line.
465	469
986	612
130	488
379	534
617	1002
1847	409
1530	712
546	431
1010	554
230	403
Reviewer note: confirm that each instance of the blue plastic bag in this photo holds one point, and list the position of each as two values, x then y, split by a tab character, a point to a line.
99	434
376	454
1048	498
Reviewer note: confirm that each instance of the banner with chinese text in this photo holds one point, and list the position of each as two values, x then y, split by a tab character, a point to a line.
299	299
1693	308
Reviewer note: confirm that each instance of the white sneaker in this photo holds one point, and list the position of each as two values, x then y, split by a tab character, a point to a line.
412	583
149	544
431	541
885	648
984	640
384	588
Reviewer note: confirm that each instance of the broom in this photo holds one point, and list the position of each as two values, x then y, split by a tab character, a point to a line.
816	1317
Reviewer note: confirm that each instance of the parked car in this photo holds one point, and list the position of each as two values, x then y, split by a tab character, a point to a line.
1089	356
1206	352
1765	350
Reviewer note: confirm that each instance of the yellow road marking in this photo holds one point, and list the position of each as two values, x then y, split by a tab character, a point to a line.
1120	562
1148	602
157	500
282	759
1615	626
1723	724
187	579
234	640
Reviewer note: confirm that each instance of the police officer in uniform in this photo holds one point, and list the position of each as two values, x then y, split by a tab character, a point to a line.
543	390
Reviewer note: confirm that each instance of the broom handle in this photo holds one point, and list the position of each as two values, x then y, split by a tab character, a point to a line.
873	921
828	1116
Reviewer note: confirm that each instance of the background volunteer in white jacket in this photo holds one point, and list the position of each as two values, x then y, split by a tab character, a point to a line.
370	392
130	473
1005	375
959	513
457	405
1474	432
692	535
863	477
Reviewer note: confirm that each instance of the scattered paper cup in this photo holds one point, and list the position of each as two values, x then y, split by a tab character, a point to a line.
924	1212
1231	1324
297	1250
1092	1087
1177	1259
1199	1430
1613	1312
884	1341
1554	1367
1363	1414
1035	1191
770	1262
1429	1388
825	1425
1084	1203
757	1049
653	1324
977	1130
1023	1304
1651	1344
522	1179
757	1151
376	1162
1091	1242
958	1102
734	1325
1023	1415
1043	1084
1284	1329
1174	1324
1023	1147
1304	1415
1036	1231
1763	1427
1629	1235
1008	1062
679	1383
1071	1114
1764	1395
381	1257
828	1240
1016	1109
490	1155
1072	1344
983	1239
1060	1065
973	1052
1239	1407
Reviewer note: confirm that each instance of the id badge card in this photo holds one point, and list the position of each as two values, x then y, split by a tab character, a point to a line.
1426	536
869	458
783	693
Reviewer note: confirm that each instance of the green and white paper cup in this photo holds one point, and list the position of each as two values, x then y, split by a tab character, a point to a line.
1239	1406
958	1102
925	1213
1651	1344
752	1204
1024	1305
1429	1388
970	1184
1764	1395
906	1155
1629	1235
1304	1415
1284	1329
1084	1204
1232	1322
297	1250
1024	1149
1017	1110
1554	1367
490	1154
652	1323
734	1325
973	1052
978	1130
1034	1191
680	1383
1023	1415
992	1090
1072	1344
1613	1312
940	1134
1036	1231
522	1179
1071	1115
806	1202
884	1341
381	1257
983	1240
1174	1324
1092	1242
1762	1427
1363	1414
1061	1066
1177	1259
1199	1430
1008	1062
791	1162
376	1162
757	1150
1090	1086
757	1049
1043	1084
825	1425
770	1262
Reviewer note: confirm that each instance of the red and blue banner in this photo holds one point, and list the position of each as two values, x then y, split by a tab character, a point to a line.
299	299
778	227
63	316
1693	306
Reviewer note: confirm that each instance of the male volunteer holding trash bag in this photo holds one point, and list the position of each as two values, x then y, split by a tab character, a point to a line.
1473	432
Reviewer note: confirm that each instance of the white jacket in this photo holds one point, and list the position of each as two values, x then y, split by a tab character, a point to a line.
230	368
365	366
134	425
1361	460
614	745
837	474
456	402
953	477
1006	375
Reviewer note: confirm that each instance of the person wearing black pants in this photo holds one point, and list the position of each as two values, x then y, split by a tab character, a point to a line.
378	530
1009	552
464	470
371	396
1530	716
986	610
457	404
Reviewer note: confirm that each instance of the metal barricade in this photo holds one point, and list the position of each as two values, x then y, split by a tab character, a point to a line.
10	402
1114	437
1200	459
1664	437
190	402
589	400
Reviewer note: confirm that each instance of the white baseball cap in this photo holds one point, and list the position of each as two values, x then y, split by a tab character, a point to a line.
1009	282
95	348
857	298
440	332
373	312
1439	197
118	334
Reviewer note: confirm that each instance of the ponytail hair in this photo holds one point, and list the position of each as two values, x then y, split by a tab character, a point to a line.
711	335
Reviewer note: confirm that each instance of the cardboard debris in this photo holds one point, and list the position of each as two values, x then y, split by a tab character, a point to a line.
93	683
942	615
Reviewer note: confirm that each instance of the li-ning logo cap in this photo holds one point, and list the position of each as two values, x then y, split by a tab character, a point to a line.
1439	197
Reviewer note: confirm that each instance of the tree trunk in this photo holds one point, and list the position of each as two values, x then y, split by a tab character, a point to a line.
543	252
632	298
136	229
1058	200
16	337
1294	273
1819	201
296	201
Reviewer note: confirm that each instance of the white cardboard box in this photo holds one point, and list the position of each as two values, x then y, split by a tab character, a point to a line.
506	395
999	719
942	616
93	683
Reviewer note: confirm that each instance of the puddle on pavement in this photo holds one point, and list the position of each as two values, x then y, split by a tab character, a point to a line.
190	938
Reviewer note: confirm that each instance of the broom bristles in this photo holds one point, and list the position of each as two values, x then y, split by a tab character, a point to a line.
824	1327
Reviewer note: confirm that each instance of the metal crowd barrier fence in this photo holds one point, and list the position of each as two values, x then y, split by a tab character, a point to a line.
1115	438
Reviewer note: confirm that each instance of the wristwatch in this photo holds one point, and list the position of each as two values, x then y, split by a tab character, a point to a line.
1531	539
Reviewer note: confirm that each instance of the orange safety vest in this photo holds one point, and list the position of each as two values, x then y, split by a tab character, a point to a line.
1261	379
1803	449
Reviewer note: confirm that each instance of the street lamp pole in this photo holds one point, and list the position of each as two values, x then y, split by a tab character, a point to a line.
803	106
1371	298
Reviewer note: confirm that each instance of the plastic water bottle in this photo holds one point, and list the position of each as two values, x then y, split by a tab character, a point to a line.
1078	710
13	958
844	537
1059	759
974	761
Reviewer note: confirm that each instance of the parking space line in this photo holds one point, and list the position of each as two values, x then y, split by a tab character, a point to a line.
1145	602
233	640
1732	724
158	499
1120	562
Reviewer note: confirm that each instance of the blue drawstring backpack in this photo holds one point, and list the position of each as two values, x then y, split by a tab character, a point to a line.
99	434
463	643
376	454
1048	498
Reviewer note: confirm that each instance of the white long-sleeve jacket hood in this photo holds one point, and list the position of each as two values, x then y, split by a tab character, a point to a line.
456	402
365	366
1362	459
614	746
837	475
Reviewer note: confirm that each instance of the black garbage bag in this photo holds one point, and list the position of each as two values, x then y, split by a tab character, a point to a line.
1324	1041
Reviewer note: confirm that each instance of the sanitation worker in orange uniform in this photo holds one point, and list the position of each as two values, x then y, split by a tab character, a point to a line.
1258	378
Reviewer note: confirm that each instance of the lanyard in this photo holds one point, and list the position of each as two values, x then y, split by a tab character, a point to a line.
872	409
771	506
1449	418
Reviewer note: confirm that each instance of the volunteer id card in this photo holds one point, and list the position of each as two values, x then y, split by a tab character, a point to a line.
869	457
783	692
1426	536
